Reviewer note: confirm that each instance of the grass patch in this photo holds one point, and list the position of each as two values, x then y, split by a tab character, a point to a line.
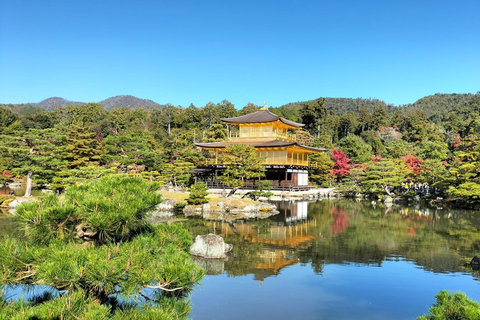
232	203
178	197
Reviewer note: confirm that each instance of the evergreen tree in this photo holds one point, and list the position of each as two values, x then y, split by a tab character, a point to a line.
355	148
82	147
379	118
36	154
216	132
434	173
7	117
312	114
125	256
381	176
198	193
242	162
322	174
450	306
130	150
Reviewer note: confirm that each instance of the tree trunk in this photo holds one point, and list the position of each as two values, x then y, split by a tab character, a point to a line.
385	188
232	191
28	191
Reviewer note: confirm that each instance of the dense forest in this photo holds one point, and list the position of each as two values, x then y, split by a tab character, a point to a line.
374	148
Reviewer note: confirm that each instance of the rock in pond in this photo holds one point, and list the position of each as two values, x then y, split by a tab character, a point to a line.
166	205
15	203
210	246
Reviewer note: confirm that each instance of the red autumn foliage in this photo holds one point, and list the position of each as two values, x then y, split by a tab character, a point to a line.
341	167
6	173
413	163
340	221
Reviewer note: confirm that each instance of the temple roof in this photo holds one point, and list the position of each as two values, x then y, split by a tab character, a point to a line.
258	144
259	117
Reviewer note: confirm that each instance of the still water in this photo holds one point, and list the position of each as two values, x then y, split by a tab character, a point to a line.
334	260
338	260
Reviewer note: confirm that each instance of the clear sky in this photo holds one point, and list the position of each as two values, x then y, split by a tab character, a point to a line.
197	51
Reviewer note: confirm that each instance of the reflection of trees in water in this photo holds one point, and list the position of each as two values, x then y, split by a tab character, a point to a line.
340	220
439	243
338	232
244	256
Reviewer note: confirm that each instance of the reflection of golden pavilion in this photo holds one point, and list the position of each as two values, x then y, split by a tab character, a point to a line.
280	242
289	236
286	160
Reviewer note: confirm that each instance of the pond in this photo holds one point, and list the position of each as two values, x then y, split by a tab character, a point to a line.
335	259
338	259
18	190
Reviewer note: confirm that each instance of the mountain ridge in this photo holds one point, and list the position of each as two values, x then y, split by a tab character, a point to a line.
433	105
108	104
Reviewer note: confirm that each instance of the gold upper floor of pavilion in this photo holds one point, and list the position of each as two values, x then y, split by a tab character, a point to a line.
269	134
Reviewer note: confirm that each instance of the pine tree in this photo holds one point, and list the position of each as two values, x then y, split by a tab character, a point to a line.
381	175
198	193
83	148
95	245
242	162
322	174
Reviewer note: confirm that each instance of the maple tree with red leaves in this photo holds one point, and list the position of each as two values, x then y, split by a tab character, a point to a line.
413	163
341	167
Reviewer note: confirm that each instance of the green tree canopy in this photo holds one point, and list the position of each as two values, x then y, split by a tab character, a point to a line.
126	255
242	162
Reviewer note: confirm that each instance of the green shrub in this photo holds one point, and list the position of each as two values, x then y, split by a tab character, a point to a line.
452	306
198	193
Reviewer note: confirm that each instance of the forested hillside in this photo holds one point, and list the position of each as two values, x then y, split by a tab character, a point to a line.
372	150
437	107
341	106
128	101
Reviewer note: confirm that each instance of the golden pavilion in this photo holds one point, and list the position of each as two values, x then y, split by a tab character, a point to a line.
286	161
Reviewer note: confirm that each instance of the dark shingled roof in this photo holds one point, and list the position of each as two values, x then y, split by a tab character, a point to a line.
257	144
261	116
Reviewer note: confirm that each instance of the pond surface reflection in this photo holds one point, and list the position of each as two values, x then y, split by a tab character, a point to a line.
338	259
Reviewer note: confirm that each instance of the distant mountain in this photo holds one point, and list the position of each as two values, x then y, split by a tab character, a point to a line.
108	104
51	103
129	101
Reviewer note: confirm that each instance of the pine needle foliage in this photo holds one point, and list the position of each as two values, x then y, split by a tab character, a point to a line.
96	247
241	162
452	306
109	209
198	193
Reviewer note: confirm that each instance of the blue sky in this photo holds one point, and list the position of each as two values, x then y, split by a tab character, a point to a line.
184	52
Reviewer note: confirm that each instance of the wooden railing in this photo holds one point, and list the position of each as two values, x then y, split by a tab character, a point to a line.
292	162
278	136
